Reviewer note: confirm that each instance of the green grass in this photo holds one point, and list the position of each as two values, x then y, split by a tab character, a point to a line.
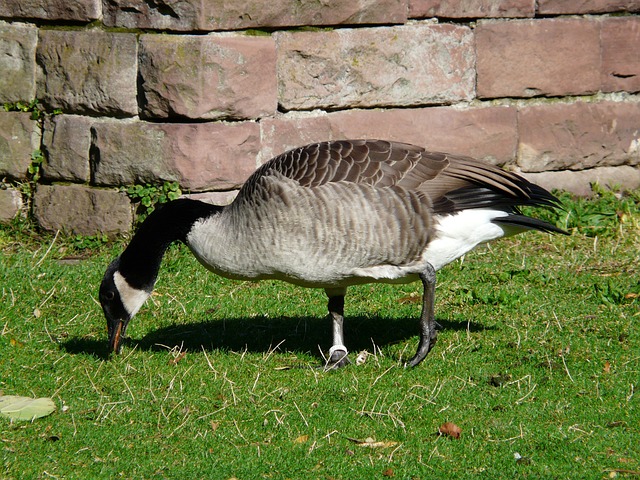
538	363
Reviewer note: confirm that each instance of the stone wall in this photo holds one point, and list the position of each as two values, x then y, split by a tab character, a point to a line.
202	91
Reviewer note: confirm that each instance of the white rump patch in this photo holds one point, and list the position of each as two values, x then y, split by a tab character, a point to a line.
458	234
132	298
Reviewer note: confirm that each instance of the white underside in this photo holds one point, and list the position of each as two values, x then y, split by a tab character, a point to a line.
132	298
461	233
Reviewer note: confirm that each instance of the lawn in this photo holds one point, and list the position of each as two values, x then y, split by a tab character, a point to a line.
537	363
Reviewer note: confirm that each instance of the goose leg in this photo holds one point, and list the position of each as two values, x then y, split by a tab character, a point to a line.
428	334
338	352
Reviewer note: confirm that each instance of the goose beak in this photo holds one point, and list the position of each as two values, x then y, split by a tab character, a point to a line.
116	329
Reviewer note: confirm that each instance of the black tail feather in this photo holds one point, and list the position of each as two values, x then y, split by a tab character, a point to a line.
529	223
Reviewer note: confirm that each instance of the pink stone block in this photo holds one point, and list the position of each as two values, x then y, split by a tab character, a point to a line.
211	15
200	156
621	54
208	77
578	135
471	8
559	7
88	71
527	58
401	66
76	10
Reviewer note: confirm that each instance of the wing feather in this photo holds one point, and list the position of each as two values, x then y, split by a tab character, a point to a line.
450	182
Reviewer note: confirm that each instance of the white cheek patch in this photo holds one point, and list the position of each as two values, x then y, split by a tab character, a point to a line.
132	298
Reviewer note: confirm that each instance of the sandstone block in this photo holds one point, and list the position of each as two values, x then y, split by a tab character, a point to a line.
621	54
77	10
17	62
485	133
578	135
10	204
527	58
67	139
199	156
471	8
80	210
283	13
185	15
161	15
208	77
88	71
559	7
19	138
579	183
407	65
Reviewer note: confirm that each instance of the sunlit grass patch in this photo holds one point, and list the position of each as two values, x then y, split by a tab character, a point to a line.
537	363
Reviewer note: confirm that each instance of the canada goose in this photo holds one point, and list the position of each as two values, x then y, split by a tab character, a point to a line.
330	215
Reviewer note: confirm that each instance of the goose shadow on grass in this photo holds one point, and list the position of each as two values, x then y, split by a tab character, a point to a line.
261	334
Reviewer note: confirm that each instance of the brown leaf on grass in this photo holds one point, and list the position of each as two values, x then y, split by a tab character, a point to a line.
372	443
413	297
301	439
388	473
177	358
450	429
616	424
607	367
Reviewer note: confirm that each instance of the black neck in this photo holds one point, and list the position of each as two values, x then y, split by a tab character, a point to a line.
140	262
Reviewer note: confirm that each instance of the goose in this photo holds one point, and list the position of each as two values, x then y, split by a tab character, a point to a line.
331	215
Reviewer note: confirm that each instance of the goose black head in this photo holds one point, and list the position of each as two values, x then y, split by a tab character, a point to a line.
120	302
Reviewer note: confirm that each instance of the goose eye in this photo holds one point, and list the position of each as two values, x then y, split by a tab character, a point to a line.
110	295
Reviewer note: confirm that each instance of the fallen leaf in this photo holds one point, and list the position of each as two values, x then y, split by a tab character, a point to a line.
25	408
388	473
214	425
372	443
616	424
607	367
450	429
301	439
413	297
362	357
499	379
176	359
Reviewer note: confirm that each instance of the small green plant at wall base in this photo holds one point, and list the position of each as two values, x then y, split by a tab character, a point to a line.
32	106
37	159
34	172
37	110
148	196
88	242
